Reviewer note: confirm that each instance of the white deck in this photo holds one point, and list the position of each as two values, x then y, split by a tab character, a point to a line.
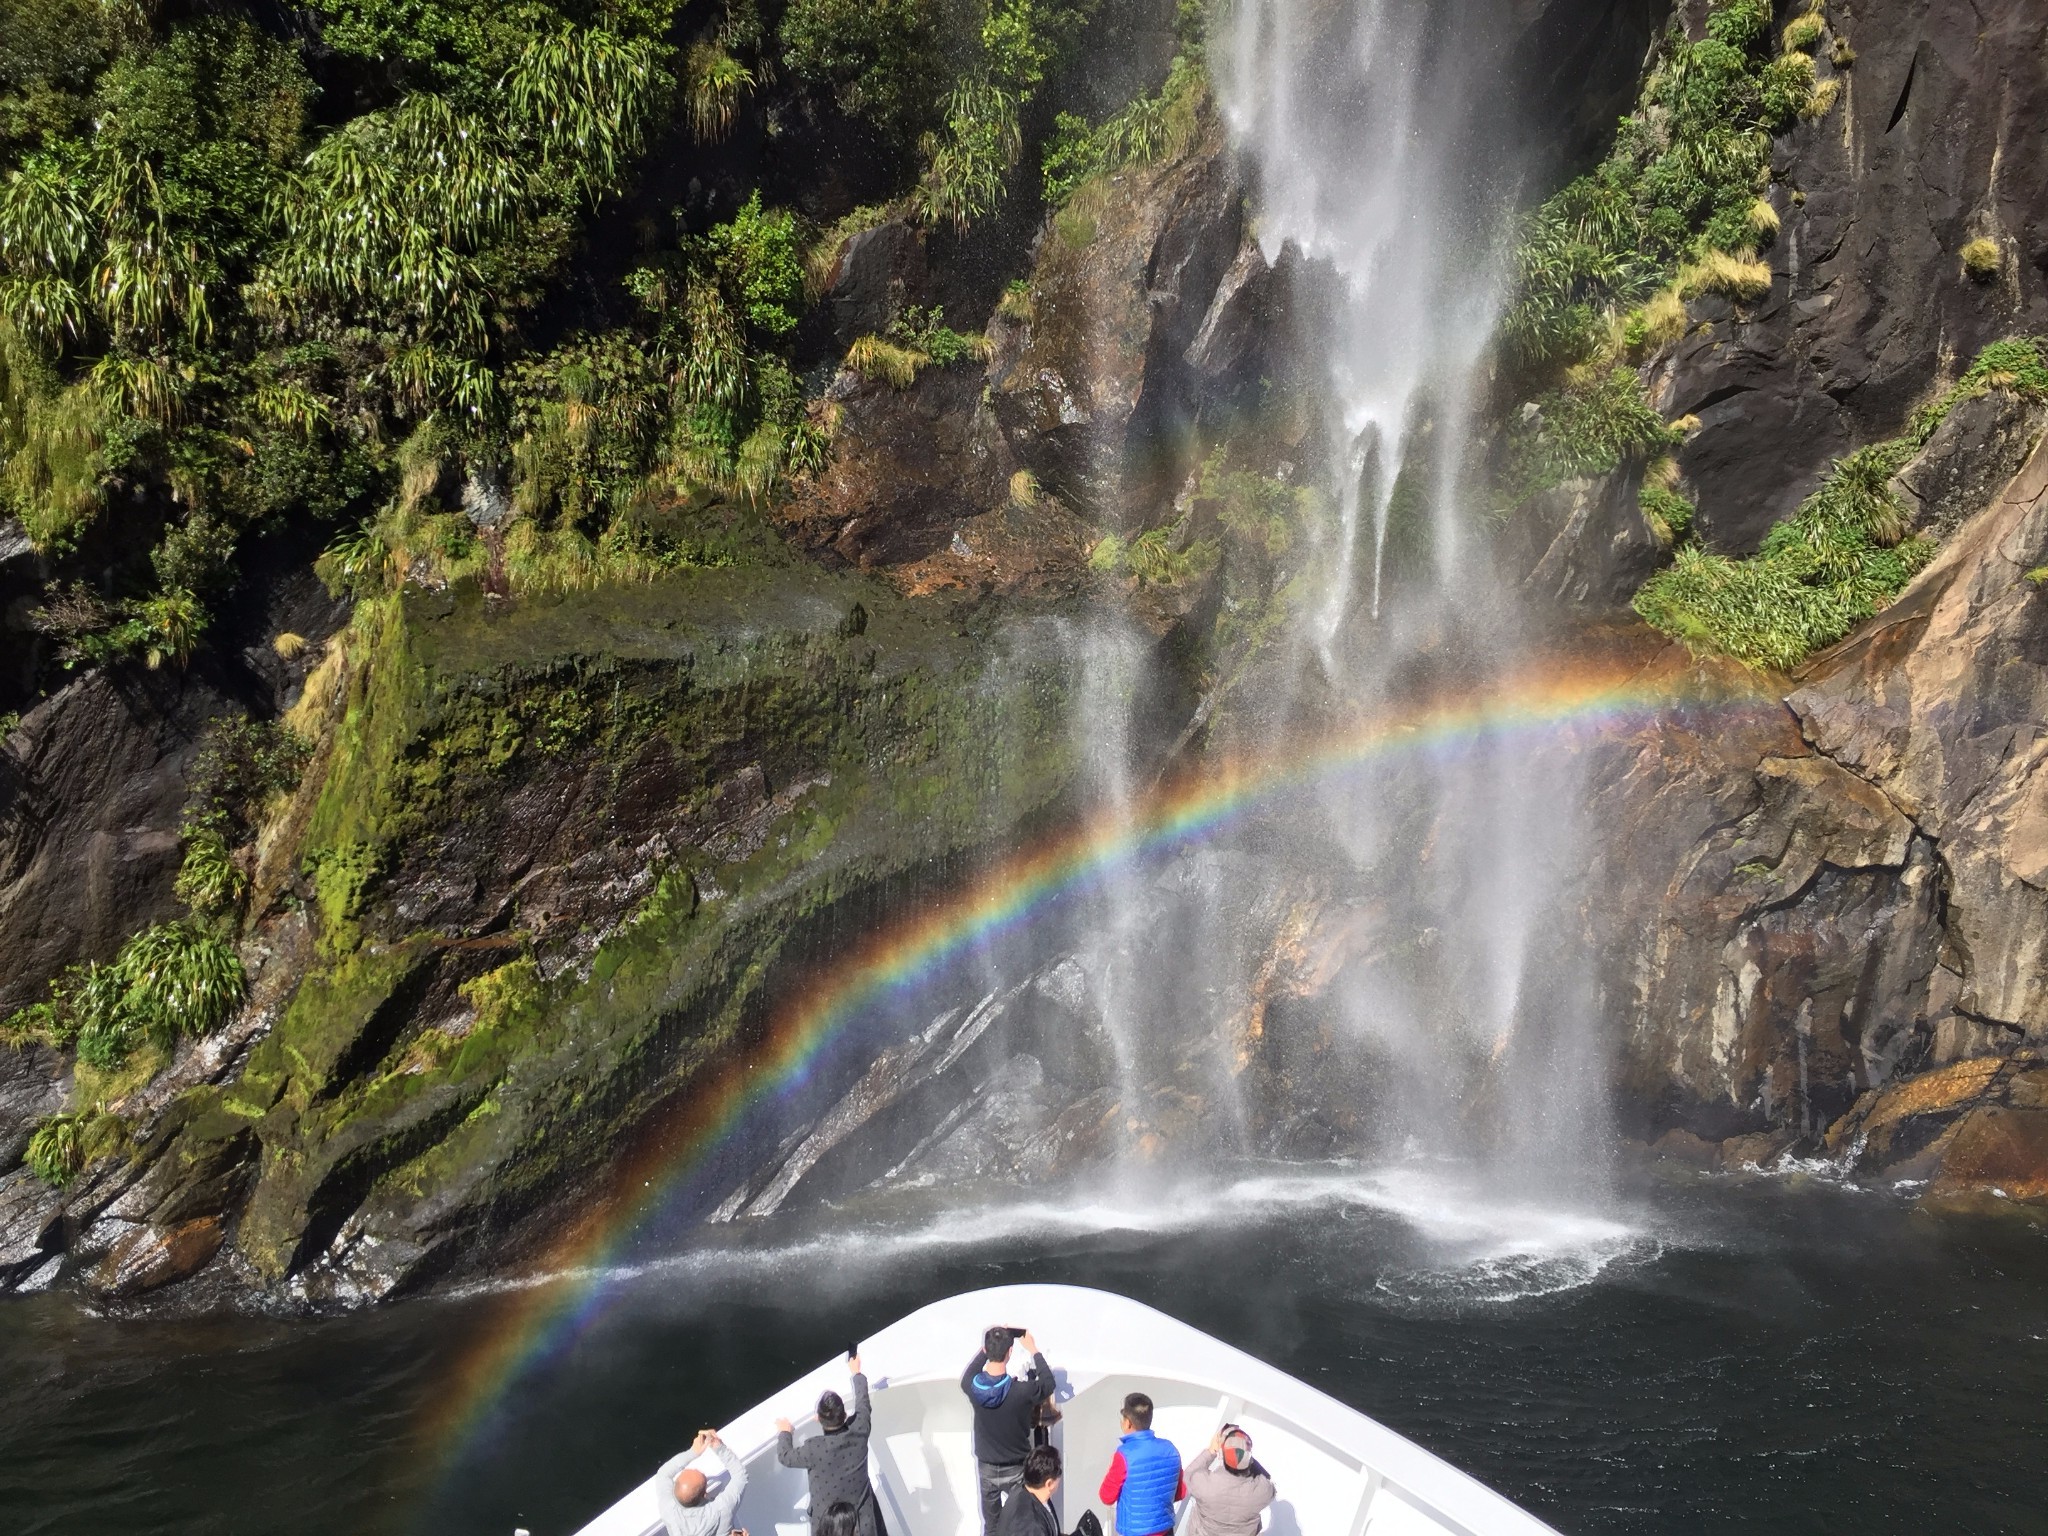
1337	1472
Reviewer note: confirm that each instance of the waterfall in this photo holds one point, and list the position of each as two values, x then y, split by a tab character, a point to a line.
1382	160
1383	970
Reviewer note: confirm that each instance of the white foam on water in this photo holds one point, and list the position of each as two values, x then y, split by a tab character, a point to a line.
1450	1237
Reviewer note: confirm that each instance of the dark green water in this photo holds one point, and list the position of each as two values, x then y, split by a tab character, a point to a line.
1772	1356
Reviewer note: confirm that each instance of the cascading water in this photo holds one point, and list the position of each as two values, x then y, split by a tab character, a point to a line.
1376	974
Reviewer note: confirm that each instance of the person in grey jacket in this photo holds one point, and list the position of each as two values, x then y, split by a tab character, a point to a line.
1230	1489
836	1460
679	1490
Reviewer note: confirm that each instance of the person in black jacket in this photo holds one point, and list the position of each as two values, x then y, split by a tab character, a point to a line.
1030	1512
1005	1407
836	1460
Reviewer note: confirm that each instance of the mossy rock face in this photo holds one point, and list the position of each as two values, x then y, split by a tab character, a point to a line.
558	855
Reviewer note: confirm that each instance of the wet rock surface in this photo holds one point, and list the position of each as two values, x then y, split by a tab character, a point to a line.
1094	394
1939	136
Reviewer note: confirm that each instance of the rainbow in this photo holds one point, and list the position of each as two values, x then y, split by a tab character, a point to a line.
575	1277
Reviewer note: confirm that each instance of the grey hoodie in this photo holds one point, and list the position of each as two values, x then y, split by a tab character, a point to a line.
1226	1504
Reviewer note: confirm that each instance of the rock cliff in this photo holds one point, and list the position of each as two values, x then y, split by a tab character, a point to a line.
557	853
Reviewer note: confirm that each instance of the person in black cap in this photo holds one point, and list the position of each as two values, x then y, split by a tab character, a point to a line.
1005	1408
836	1460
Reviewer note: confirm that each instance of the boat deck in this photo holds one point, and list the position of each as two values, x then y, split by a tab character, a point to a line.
1337	1472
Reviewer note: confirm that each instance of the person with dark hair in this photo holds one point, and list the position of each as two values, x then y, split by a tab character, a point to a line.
842	1519
1030	1513
836	1460
1144	1479
1006	1398
1229	1488
680	1489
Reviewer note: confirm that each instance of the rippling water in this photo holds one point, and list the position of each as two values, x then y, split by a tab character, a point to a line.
1781	1356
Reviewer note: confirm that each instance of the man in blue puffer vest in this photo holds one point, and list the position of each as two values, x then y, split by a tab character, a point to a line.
1144	1480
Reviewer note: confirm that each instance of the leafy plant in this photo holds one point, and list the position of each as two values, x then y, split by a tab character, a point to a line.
56	1152
171	979
714	84
1845	554
877	57
759	257
1588	426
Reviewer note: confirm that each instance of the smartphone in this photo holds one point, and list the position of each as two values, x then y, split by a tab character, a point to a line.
853	1350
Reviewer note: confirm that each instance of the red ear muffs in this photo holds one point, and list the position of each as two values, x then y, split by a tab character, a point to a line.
1237	1449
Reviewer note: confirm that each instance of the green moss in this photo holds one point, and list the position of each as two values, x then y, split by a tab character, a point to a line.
913	750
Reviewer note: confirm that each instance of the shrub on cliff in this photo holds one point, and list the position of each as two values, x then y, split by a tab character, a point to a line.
1681	186
169	980
877	57
1845	554
211	318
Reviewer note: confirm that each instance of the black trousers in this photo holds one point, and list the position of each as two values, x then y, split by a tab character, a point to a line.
997	1481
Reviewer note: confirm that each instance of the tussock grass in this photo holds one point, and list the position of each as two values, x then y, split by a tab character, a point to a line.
1734	274
1843	556
886	362
1803	33
1982	260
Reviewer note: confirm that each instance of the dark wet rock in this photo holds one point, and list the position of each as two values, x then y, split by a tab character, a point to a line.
1938	703
147	1257
34	1083
1097	394
91	789
1583	544
31	1215
698	781
1940	136
1848	959
1983	442
908	469
876	273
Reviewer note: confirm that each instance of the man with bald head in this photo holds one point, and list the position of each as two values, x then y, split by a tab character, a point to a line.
680	1488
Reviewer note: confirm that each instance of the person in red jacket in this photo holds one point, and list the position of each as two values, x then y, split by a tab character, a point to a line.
1144	1479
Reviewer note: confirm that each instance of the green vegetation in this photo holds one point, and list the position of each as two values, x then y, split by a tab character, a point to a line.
1680	189
1844	555
877	57
241	764
170	979
1150	129
1594	419
918	339
216	315
59	1148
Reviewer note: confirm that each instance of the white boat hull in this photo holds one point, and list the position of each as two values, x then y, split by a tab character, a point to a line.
1338	1473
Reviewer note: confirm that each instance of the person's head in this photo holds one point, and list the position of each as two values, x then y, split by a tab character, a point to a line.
1236	1451
831	1412
1042	1471
689	1486
996	1345
840	1520
1137	1412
